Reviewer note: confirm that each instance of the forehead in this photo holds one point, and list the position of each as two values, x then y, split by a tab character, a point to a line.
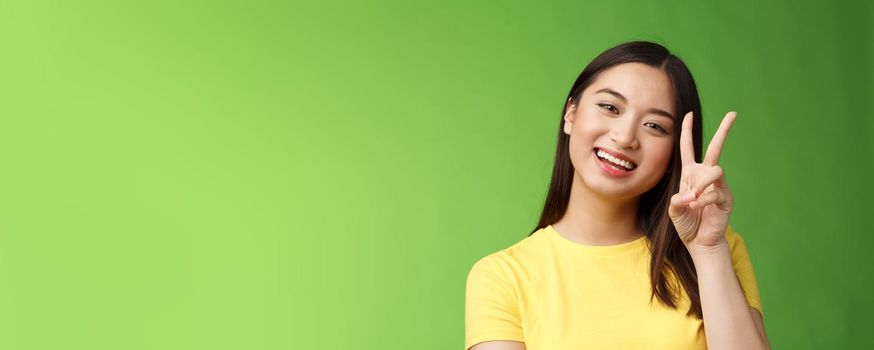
639	83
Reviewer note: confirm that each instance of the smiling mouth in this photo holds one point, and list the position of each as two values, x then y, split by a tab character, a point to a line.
619	164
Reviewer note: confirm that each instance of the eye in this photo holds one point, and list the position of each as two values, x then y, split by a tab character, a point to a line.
606	105
663	131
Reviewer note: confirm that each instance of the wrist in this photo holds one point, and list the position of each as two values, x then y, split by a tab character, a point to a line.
704	252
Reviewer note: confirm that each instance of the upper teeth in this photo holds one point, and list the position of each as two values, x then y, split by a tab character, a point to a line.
614	160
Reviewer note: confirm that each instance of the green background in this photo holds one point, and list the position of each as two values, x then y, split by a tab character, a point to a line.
322	174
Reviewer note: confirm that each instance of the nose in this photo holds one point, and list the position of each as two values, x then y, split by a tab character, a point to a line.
623	133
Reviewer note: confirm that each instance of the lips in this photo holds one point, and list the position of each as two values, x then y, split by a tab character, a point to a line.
609	169
617	155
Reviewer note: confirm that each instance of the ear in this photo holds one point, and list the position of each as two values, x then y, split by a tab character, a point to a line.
569	114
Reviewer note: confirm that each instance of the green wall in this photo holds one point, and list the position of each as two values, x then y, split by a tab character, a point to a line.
322	175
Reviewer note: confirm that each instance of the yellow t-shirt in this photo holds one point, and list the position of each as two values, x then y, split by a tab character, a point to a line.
553	293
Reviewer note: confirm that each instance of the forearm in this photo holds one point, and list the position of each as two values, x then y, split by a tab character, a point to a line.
728	323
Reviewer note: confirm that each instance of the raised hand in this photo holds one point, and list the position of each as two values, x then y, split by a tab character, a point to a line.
701	208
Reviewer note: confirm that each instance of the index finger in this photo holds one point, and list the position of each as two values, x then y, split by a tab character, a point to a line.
715	146
687	149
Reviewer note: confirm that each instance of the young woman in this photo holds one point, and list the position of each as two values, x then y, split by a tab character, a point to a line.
633	249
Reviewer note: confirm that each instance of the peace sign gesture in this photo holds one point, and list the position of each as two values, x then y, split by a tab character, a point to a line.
701	208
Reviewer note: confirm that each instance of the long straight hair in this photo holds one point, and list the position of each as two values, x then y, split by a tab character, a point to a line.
669	255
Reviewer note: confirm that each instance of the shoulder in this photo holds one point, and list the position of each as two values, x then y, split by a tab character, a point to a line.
515	259
735	240
740	255
736	244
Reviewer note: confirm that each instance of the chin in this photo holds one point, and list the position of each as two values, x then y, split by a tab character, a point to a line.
611	188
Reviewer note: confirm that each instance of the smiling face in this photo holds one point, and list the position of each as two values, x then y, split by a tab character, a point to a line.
628	112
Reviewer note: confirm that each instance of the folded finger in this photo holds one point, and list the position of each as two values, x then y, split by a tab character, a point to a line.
707	199
679	203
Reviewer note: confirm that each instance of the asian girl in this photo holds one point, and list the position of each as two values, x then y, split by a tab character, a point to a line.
634	213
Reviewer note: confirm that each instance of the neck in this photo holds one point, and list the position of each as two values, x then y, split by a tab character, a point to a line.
595	219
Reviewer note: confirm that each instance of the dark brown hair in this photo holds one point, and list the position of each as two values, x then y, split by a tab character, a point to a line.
669	255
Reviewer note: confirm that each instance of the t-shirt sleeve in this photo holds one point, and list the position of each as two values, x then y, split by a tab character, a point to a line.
491	306
743	267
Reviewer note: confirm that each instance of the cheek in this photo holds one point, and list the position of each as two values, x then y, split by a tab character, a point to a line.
666	155
660	159
582	135
576	148
579	149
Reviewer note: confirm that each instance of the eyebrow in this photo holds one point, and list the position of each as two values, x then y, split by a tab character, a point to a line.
625	100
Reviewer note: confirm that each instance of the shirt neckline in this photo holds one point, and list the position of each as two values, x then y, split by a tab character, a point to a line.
630	246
